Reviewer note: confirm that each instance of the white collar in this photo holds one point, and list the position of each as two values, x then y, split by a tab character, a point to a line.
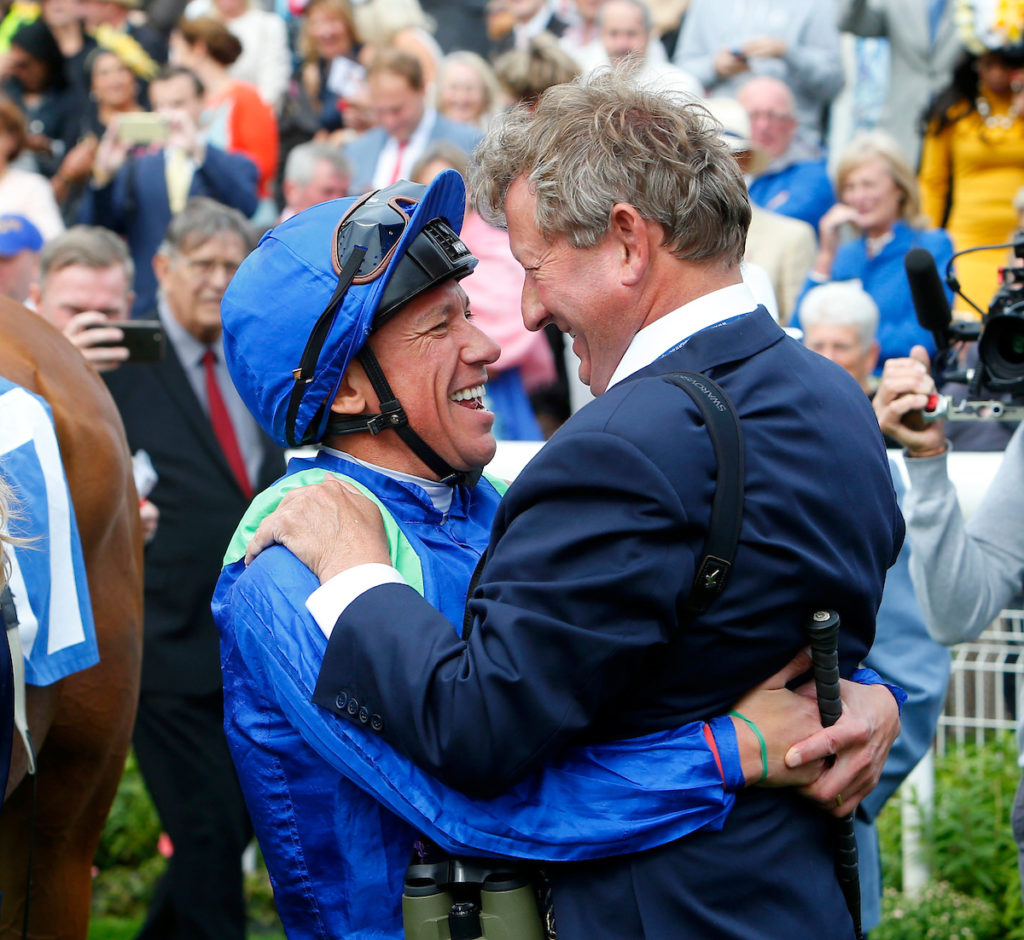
679	325
440	493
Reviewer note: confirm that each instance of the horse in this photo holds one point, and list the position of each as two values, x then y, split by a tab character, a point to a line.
81	726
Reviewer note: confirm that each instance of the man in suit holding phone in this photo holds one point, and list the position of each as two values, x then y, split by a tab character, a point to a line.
85	282
84	286
209	456
137	197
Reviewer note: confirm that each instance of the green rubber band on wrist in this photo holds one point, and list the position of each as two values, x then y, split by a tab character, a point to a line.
760	740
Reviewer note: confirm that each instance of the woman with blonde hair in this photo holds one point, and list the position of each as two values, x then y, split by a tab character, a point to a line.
525	74
467	89
867	234
329	75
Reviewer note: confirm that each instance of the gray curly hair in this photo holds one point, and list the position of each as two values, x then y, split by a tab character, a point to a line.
604	139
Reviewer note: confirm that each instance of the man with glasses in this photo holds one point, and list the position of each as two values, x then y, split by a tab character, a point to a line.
795	182
628	215
209	457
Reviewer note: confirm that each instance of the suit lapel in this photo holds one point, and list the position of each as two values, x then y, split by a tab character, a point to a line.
171	374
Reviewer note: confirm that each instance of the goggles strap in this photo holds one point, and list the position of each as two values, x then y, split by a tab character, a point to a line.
393	416
304	374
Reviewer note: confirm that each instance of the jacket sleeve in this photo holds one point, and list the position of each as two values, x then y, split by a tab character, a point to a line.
905	655
964	575
105	205
230	178
573	599
814	64
695	52
611	798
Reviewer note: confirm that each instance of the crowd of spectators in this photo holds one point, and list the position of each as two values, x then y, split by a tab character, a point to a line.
382	81
116	113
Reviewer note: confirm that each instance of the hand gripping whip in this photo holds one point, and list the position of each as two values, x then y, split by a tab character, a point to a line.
823	632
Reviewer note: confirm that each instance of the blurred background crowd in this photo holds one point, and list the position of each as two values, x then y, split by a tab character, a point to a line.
865	128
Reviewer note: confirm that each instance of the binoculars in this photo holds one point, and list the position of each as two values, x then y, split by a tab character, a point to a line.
465	900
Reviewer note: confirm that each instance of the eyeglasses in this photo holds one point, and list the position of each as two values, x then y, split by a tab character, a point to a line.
774	116
204	268
363	245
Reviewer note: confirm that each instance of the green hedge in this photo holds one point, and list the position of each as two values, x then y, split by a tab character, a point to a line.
975	889
128	867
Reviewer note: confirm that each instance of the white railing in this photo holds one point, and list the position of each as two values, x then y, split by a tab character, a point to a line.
985	684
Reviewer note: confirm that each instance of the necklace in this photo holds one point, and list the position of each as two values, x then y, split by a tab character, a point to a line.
995	120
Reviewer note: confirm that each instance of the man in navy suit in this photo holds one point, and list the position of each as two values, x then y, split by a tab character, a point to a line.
629	217
137	196
405	124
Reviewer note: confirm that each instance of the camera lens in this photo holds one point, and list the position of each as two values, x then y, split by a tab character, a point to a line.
1001	349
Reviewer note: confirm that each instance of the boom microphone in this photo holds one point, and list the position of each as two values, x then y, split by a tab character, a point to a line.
929	296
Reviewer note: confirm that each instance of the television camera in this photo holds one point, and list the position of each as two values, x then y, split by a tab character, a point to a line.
995	385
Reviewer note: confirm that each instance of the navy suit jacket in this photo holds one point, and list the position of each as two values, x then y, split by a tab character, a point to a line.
578	629
364	152
135	204
200	504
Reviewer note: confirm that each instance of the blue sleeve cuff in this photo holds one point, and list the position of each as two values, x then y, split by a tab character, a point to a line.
728	753
866	676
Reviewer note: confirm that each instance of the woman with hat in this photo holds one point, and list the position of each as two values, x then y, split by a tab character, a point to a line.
972	161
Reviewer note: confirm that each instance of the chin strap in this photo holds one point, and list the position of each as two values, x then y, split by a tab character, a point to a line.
392	416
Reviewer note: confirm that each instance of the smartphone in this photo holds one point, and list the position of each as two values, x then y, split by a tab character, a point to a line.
144	339
142	127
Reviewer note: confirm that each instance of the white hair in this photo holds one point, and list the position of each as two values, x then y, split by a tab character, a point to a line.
841	303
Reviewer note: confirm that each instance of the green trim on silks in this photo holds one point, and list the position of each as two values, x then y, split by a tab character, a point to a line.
403	556
499	484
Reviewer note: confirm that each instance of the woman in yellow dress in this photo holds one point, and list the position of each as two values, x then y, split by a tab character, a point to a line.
972	163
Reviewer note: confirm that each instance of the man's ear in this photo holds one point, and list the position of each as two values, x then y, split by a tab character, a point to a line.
288	190
633	233
355	395
161	263
35	294
874	351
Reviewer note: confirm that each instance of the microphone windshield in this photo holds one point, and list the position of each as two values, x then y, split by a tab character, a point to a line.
930	302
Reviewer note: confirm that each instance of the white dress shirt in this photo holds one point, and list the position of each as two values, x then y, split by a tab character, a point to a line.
396	162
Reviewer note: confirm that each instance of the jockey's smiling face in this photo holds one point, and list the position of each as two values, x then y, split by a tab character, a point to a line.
435	359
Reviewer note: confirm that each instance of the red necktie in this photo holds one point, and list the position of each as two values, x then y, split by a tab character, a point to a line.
402	144
222	426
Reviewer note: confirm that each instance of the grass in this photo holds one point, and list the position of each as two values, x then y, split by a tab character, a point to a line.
122	928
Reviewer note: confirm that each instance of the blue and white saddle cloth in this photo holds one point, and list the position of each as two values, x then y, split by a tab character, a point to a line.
47	576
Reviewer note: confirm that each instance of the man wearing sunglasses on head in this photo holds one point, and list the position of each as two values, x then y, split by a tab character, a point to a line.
388	377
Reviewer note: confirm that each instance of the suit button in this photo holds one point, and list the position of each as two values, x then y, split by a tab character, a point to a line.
353	707
376	723
364	714
340	701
